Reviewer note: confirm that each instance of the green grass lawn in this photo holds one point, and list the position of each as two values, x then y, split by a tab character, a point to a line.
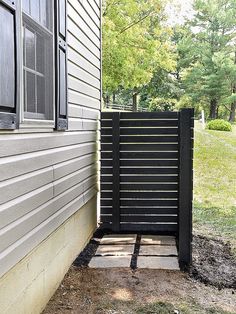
215	182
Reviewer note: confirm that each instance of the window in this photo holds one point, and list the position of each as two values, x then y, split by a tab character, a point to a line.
33	64
38	59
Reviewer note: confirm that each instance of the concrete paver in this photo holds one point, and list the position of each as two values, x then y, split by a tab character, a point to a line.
156	262
155	239
156	250
119	239
116	250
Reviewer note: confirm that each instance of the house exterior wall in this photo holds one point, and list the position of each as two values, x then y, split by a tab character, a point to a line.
29	285
47	176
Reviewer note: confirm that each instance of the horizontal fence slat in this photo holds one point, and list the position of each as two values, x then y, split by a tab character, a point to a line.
144	131
141	211
141	218
142	147
141	123
142	202
141	194
127	170
142	115
142	139
143	186
142	155
145	227
142	162
142	178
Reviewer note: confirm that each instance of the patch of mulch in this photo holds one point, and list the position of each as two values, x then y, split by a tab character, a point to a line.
213	262
89	251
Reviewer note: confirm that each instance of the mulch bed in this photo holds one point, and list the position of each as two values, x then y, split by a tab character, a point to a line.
213	262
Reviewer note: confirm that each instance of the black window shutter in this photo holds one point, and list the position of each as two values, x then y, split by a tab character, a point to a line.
61	66
9	64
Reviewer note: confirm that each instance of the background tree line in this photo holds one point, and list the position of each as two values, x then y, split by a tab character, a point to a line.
149	63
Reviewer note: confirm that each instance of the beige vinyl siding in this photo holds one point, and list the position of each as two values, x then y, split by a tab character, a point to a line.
46	177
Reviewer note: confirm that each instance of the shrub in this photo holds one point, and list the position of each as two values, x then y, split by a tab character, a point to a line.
219	125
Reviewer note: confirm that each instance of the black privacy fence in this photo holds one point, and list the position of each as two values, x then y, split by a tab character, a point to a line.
146	174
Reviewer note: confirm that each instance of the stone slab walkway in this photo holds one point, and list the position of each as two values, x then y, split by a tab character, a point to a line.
145	251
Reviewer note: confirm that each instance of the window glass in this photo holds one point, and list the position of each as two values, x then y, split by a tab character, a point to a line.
38	60
40	10
29	49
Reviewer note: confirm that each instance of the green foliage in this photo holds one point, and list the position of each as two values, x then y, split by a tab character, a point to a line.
219	125
162	104
135	43
207	53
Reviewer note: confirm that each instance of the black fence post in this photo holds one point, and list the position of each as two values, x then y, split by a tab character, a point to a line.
186	123
116	171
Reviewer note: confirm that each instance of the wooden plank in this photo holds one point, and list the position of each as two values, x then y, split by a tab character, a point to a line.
142	155
142	210
142	147
142	202
144	131
142	139
142	218
166	228
185	187
142	123
141	194
116	172
141	170
141	178
143	186
142	115
142	162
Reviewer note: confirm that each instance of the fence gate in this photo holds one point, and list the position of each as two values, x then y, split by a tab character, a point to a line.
146	174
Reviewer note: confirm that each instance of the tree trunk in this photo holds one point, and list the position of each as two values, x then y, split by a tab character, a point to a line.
114	97
135	100
213	109
107	101
232	115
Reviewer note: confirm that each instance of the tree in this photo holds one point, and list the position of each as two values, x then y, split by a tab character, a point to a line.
213	29
135	43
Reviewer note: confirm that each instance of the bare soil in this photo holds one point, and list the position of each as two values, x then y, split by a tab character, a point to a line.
213	262
116	291
208	289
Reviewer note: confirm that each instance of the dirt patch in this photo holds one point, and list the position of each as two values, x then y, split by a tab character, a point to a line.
123	291
213	262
